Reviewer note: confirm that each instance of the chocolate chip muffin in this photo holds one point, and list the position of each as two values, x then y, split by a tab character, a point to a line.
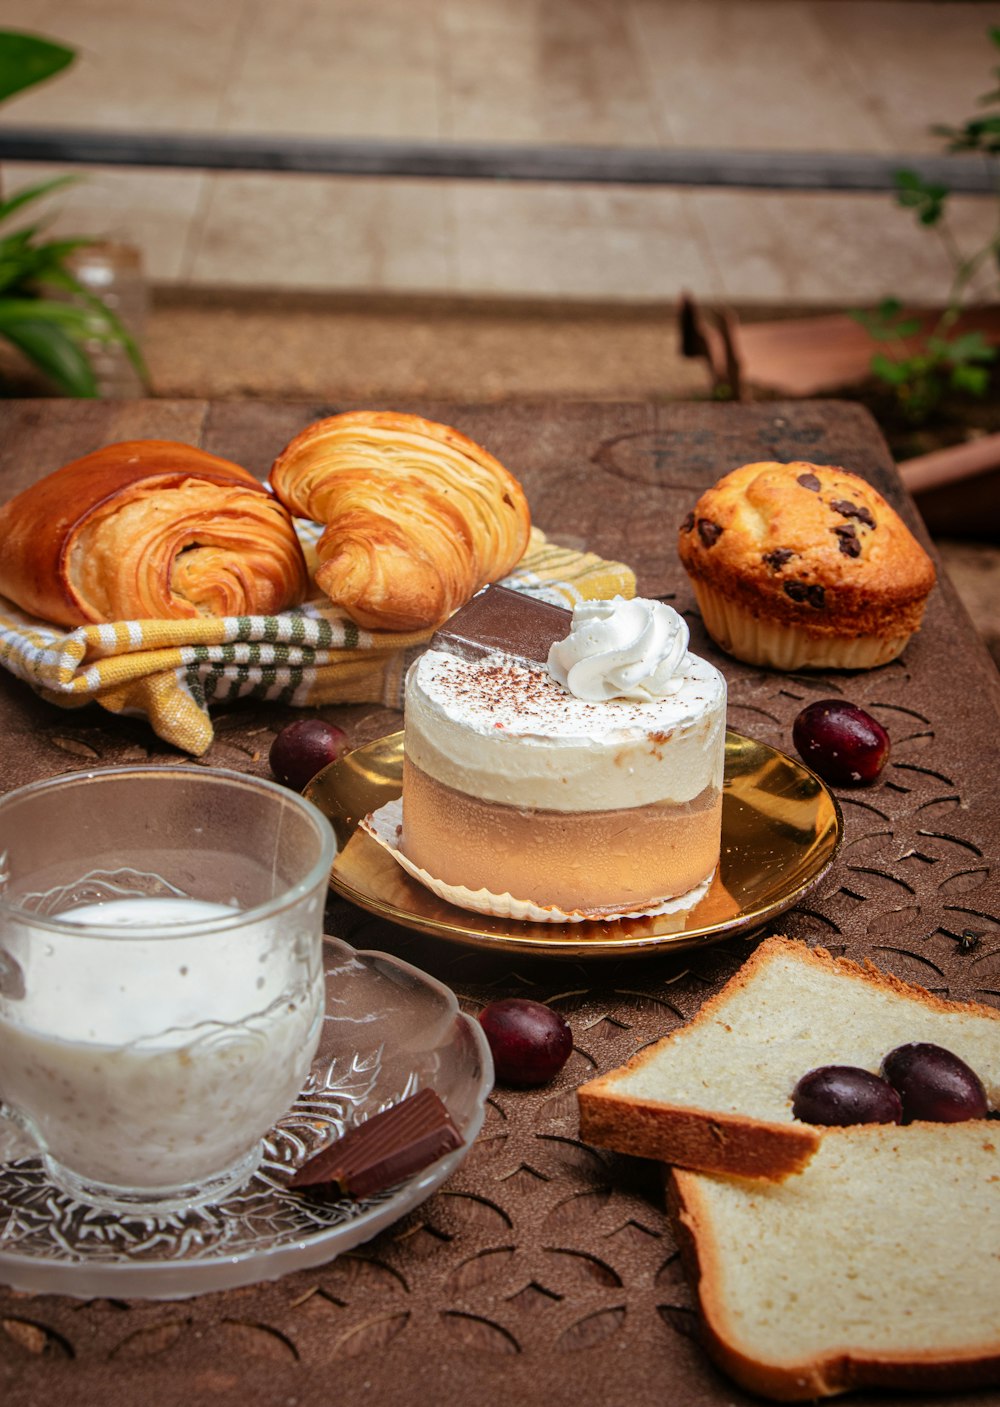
804	566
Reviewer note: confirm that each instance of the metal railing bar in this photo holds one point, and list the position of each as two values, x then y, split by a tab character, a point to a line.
769	170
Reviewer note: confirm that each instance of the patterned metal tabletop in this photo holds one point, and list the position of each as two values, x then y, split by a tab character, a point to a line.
544	1271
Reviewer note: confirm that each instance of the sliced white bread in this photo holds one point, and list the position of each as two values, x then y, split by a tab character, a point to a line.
716	1095
879	1266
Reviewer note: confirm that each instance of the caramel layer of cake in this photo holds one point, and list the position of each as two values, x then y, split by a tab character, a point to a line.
586	860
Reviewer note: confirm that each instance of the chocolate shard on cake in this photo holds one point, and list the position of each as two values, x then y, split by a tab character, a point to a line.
500	621
386	1149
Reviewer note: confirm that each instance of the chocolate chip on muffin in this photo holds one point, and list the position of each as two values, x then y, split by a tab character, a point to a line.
778	557
849	542
853	510
804	591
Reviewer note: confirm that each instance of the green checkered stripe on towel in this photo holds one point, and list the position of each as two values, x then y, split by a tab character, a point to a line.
173	671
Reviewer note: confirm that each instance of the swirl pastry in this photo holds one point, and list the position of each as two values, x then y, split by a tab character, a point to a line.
417	516
149	529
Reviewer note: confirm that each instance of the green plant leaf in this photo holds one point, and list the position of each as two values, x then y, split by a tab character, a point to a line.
54	352
978	134
30	193
984	126
925	198
967	347
54	334
116	329
27	59
893	373
56	250
885	324
25	269
881	331
46	310
974	380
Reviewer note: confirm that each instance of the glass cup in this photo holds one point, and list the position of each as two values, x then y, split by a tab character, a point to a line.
161	979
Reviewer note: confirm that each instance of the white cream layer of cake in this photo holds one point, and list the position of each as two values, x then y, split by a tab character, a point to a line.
497	730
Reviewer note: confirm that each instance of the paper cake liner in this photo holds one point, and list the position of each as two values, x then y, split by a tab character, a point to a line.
385	827
780	646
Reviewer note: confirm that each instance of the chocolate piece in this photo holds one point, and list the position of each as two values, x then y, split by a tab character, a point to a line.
809	481
778	557
385	1149
802	591
688	523
847	509
500	621
708	531
848	540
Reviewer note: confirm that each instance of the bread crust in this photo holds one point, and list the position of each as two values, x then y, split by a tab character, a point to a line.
704	1139
694	1138
811	548
840	1371
47	533
418	517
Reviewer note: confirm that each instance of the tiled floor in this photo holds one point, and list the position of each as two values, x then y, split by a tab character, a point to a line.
841	75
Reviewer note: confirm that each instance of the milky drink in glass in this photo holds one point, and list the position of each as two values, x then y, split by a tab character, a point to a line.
161	986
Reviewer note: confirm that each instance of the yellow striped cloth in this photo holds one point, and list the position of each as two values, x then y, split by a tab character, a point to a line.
171	671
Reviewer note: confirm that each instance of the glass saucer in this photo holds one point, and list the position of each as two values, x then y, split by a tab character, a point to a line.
389	1030
781	828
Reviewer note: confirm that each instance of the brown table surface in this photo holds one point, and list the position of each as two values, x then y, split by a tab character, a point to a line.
544	1272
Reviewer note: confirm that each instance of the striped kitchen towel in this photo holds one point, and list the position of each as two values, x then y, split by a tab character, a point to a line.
172	671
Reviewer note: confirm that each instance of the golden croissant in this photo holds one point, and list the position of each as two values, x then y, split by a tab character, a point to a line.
149	529
417	517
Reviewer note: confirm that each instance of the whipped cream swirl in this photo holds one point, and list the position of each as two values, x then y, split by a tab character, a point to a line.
621	649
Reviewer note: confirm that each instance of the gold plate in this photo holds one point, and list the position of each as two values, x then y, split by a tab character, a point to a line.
781	828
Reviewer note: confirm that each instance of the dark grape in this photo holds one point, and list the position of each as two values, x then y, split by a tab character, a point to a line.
530	1042
304	748
934	1084
844	1094
841	742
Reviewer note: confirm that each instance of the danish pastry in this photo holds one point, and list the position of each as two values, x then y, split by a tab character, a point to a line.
149	529
417	516
804	566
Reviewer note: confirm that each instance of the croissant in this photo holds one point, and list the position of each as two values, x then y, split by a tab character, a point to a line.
417	517
149	529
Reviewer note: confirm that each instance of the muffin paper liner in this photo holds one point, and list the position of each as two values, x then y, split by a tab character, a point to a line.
784	647
385	827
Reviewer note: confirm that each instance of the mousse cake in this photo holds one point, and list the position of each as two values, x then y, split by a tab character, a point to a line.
572	760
